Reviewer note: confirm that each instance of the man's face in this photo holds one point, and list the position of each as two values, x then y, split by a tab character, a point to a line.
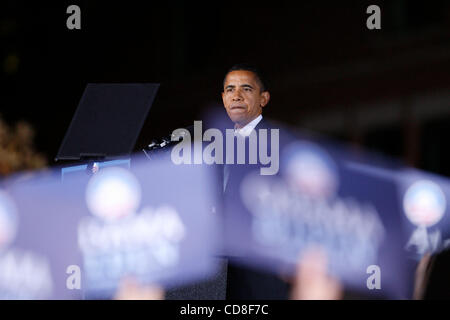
242	97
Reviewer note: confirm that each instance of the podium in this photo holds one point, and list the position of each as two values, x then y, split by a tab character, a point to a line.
66	171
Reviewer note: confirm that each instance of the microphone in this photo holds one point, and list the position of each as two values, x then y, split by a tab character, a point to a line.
166	141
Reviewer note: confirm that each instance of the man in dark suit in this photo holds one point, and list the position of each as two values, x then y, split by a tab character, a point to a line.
245	94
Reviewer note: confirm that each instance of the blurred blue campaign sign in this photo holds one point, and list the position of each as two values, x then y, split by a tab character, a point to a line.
29	264
152	222
424	199
318	200
423	204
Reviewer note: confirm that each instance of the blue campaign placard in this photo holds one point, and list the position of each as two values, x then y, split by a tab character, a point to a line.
424	199
318	199
33	257
153	222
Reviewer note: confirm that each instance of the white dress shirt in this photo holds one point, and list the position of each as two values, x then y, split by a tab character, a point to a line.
245	131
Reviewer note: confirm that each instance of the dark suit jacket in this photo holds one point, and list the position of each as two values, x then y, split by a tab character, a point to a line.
244	282
234	281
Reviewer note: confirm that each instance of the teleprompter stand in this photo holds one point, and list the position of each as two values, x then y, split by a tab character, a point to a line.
105	126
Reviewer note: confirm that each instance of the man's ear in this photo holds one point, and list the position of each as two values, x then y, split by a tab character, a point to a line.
265	97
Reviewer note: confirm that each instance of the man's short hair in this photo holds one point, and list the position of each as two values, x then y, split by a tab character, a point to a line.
249	67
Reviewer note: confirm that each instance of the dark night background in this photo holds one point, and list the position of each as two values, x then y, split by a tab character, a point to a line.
386	90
